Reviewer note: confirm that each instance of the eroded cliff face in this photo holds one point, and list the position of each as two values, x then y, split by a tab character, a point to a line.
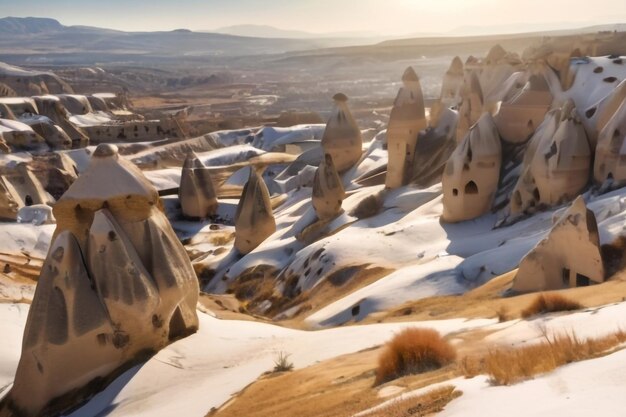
116	287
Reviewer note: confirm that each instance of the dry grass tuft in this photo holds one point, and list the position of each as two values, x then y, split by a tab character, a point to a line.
282	363
508	366
426	404
549	303
413	351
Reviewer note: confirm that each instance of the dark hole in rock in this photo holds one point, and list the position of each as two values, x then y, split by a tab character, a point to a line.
356	310
471	188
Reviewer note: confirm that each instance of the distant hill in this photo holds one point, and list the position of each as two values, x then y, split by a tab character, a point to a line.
265	31
262	31
34	39
28	25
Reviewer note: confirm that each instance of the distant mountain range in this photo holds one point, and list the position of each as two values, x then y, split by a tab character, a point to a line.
44	40
47	40
265	31
34	40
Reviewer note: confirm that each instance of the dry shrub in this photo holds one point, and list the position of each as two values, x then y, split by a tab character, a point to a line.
413	351
549	303
613	255
511	365
426	404
368	207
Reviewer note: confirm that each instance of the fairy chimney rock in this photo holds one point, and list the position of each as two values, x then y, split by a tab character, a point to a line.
407	119
328	192
518	118
342	137
568	257
610	155
471	108
196	193
254	220
471	175
557	163
116	285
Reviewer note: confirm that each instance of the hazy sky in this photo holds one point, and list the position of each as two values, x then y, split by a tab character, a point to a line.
381	16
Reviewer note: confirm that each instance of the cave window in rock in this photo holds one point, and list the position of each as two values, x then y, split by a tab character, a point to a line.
355	310
471	188
565	277
455	192
536	194
582	281
28	200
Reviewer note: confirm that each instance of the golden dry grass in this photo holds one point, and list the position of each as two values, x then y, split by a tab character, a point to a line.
550	303
426	404
507	366
413	351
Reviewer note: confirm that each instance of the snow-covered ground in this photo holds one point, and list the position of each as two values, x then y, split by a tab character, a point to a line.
204	370
591	387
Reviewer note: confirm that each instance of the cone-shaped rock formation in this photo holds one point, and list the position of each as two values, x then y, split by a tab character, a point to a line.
556	165
407	119
342	137
328	192
519	117
568	257
116	286
254	220
196	193
472	105
610	158
470	178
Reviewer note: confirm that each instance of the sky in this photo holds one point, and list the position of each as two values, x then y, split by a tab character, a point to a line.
383	17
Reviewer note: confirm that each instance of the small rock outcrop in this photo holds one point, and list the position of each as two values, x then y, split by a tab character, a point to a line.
568	257
116	286
471	175
342	137
52	107
328	192
20	137
196	193
407	119
254	219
